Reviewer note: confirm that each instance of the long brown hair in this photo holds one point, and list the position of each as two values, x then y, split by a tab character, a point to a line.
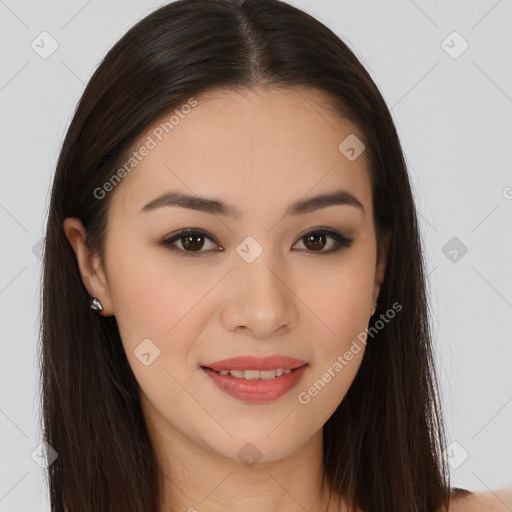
383	446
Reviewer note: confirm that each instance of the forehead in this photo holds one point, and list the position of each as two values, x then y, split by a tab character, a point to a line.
248	147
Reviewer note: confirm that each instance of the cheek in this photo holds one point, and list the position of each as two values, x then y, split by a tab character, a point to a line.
150	294
342	301
341	316
138	295
157	301
151	310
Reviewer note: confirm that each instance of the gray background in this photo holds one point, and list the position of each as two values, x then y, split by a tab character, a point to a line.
453	115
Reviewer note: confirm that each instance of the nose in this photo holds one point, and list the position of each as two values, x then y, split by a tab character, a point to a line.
261	299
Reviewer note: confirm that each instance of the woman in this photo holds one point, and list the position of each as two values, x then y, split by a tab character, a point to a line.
234	311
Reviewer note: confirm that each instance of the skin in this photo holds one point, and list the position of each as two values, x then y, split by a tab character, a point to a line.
499	500
259	150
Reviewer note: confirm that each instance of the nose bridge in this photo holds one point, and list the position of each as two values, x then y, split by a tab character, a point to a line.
261	277
259	286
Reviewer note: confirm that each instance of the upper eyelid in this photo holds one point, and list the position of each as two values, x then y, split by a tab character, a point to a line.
184	231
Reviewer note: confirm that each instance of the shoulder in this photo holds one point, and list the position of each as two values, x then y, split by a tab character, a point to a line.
493	501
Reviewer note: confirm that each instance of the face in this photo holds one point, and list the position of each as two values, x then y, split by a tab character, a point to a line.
258	283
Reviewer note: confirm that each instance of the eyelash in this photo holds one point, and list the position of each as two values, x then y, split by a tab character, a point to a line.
342	241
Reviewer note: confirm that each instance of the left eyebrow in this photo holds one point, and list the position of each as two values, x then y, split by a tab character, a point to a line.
216	207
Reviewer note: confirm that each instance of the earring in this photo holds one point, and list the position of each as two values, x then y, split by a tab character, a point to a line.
95	305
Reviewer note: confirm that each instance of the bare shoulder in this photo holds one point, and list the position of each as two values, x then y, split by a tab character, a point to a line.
493	501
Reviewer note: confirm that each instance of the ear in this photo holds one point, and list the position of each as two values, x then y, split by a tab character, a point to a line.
382	260
91	270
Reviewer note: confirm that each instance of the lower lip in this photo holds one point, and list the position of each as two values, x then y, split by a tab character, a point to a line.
256	390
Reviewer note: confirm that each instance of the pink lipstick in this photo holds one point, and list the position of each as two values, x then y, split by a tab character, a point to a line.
256	379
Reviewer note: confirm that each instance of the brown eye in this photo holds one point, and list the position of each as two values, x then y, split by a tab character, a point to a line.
192	241
315	241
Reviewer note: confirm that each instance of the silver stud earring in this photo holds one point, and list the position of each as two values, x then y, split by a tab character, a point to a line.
95	305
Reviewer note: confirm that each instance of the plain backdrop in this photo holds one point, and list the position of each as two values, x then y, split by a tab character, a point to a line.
445	71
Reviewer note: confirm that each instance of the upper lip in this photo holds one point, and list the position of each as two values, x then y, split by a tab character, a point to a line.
256	363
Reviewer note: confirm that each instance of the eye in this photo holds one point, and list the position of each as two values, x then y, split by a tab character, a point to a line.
316	239
192	240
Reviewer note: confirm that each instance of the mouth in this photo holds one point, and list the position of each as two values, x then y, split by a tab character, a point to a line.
255	374
256	386
250	362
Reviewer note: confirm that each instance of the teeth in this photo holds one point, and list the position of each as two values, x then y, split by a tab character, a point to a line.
256	374
267	374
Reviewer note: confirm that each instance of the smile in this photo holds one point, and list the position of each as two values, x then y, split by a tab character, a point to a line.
256	386
256	374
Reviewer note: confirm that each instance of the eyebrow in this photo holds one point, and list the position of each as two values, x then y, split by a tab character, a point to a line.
216	207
